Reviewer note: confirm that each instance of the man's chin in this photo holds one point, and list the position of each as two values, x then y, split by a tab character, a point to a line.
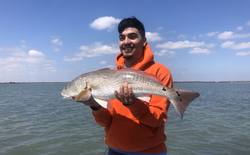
127	56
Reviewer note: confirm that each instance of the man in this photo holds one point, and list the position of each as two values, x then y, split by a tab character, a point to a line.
134	126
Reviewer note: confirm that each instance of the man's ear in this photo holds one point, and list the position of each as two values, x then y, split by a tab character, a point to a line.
144	41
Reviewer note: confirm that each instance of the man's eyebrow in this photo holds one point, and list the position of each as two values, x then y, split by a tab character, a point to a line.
132	34
128	34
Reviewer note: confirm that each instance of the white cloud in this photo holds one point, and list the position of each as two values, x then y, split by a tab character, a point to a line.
172	31
93	50
18	55
248	23
182	36
56	49
151	37
210	45
97	49
12	67
180	44
34	57
23	46
23	43
71	59
239	28
103	62
232	45
242	53
209	34
165	53
110	66
231	35
16	51
107	22
57	42
35	53
160	28
19	65
84	48
50	69
198	50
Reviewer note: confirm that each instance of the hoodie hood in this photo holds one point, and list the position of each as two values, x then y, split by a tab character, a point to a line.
147	57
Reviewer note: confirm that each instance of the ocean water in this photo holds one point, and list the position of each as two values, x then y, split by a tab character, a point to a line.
36	120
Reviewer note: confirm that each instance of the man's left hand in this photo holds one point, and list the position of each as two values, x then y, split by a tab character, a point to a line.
126	95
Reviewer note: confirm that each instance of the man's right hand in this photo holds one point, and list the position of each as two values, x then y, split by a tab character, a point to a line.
91	102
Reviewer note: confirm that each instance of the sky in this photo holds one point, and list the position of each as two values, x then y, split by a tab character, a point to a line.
58	40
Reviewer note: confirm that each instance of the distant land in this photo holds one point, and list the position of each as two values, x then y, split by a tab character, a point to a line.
29	82
174	82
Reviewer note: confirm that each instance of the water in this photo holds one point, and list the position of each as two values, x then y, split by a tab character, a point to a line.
35	120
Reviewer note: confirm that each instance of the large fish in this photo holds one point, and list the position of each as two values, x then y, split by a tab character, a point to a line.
101	84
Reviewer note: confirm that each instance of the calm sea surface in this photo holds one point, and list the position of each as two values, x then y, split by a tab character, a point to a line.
36	120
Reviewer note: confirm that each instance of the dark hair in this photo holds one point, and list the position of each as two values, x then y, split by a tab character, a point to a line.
131	22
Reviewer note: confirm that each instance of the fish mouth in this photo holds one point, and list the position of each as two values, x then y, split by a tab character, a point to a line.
65	95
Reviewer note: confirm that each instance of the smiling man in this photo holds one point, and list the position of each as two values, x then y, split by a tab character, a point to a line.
131	44
133	126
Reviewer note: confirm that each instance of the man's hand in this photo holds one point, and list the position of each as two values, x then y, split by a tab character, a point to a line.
126	95
91	102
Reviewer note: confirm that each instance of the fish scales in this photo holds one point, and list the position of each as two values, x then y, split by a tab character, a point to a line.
106	82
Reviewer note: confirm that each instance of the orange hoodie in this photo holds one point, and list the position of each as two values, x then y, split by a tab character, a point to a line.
138	127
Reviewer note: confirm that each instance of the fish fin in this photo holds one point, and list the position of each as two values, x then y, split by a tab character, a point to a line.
67	97
144	98
151	76
103	103
104	69
84	95
182	100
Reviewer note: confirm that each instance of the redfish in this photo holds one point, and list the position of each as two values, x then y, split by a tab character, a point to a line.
101	84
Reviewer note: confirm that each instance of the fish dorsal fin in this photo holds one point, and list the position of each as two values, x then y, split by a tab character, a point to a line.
104	69
151	76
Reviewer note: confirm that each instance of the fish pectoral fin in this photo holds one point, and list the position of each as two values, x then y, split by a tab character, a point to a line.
103	103
144	98
84	95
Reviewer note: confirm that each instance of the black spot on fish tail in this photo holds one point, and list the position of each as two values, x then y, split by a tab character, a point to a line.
164	89
178	95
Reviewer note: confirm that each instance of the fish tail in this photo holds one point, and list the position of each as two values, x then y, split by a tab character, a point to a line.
182	100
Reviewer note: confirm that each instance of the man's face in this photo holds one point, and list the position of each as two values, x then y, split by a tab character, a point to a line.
131	43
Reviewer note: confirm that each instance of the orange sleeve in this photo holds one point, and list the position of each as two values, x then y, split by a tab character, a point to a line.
102	117
154	113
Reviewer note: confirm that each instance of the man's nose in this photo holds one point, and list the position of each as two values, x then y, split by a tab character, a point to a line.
127	41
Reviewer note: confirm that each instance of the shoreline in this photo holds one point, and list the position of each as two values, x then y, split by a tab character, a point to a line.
29	82
174	82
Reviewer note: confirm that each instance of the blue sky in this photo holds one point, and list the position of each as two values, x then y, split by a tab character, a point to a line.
57	40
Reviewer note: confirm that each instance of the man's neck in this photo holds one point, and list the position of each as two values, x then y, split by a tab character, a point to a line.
129	63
